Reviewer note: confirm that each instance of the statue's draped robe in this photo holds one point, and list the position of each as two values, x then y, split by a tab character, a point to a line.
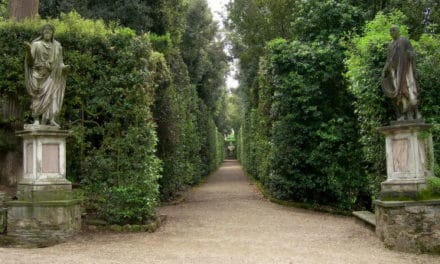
399	81
45	81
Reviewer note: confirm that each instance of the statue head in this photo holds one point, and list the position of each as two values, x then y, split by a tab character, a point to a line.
395	32
47	32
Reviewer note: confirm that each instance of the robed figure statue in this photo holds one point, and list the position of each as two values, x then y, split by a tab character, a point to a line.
399	77
45	76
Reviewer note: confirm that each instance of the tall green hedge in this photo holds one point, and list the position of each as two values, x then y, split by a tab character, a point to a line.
107	106
314	133
300	140
188	144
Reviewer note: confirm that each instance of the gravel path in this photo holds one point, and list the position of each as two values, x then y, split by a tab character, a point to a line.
226	221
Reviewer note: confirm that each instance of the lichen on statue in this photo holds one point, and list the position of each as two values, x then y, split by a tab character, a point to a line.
399	77
45	75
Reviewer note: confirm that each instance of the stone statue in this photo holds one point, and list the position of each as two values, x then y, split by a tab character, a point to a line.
399	77
45	75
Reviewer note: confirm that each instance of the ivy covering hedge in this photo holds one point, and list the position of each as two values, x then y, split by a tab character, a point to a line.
134	116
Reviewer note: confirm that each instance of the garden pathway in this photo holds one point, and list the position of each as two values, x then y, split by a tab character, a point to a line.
226	220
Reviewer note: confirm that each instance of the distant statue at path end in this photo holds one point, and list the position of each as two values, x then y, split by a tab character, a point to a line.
45	75
399	77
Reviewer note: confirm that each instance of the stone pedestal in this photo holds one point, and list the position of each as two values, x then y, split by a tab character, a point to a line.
46	211
43	223
44	160
2	212
409	226
402	222
409	154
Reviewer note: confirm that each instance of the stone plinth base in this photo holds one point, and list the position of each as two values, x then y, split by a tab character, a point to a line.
2	213
46	211
59	189
44	223
402	188
3	221
409	226
410	158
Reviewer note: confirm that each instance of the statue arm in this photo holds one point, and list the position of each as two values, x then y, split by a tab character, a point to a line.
390	55
410	51
29	53
64	68
385	69
411	54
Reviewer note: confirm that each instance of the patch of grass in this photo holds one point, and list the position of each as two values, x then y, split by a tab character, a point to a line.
428	195
433	184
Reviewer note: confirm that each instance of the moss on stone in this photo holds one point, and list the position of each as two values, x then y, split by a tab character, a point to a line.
7	241
433	185
424	195
151	226
116	228
397	198
96	222
435	250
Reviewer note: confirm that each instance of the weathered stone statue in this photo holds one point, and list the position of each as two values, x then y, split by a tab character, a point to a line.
45	76
399	77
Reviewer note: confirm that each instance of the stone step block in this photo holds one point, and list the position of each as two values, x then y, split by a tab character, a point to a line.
366	217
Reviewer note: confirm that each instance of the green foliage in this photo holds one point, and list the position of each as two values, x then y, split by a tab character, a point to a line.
233	112
157	16
139	15
175	111
413	11
161	43
211	151
189	98
317	19
204	55
428	74
107	106
433	184
314	154
188	144
251	24
198	72
3	9
230	138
